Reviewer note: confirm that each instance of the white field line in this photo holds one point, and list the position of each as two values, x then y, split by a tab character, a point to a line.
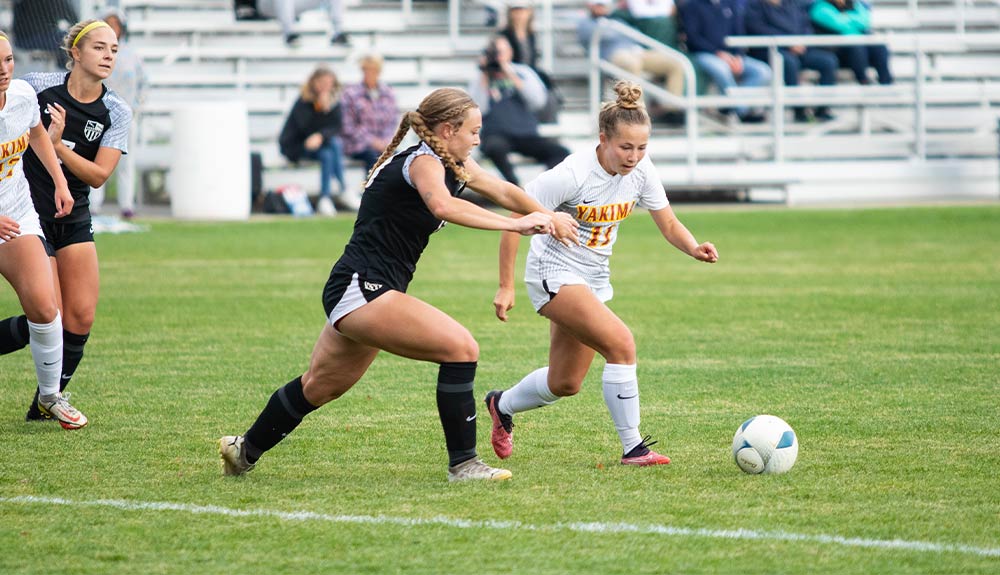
593	527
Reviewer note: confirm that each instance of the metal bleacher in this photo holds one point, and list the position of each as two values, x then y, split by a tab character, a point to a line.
877	148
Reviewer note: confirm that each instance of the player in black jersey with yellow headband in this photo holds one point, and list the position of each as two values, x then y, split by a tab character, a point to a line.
88	125
409	196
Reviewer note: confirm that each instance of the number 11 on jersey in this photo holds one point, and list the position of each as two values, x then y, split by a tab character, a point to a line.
600	236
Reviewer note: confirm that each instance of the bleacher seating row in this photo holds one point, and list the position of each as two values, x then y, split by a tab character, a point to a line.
194	50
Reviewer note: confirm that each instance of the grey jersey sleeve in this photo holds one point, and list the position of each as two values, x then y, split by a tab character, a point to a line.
44	80
121	119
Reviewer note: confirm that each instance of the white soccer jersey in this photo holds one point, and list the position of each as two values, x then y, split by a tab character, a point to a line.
597	200
17	117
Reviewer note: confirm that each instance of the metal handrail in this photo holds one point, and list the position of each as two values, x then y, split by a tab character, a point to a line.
917	42
689	102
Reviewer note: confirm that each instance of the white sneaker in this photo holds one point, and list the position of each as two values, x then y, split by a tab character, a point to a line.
475	469
324	207
234	457
60	409
349	199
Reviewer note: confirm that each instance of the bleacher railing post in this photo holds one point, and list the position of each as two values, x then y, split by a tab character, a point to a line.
548	43
778	86
453	7
920	107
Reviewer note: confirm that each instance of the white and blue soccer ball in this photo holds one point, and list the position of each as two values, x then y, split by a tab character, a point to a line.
765	444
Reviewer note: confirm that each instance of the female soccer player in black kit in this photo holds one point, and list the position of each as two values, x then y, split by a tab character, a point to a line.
88	125
408	197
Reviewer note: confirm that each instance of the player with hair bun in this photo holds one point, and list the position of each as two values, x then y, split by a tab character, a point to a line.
23	261
409	196
599	188
88	126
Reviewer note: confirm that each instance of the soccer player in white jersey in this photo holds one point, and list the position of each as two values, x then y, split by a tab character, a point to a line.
570	285
88	126
23	262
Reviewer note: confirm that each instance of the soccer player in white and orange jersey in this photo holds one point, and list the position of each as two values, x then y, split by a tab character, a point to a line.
570	285
88	125
23	262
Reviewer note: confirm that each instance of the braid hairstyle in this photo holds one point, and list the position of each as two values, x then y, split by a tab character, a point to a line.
444	105
627	109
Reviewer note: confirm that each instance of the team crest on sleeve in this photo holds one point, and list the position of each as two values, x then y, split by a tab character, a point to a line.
93	130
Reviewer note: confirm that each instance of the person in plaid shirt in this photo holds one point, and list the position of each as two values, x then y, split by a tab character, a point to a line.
370	114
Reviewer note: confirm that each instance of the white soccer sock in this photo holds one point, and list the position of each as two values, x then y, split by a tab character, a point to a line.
621	395
530	393
47	351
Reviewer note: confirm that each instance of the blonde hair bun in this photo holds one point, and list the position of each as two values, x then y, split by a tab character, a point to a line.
629	94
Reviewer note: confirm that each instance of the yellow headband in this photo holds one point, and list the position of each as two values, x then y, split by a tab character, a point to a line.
86	29
4	37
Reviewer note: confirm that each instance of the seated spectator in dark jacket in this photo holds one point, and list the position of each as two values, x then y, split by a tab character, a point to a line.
520	33
790	18
708	23
850	18
508	95
312	131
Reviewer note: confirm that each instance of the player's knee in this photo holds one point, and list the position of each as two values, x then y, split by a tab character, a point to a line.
462	348
622	349
78	321
41	310
564	387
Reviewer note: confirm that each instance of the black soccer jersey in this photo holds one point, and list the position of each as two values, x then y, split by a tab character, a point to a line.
393	225
103	122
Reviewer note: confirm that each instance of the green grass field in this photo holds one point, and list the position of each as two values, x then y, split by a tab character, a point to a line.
875	333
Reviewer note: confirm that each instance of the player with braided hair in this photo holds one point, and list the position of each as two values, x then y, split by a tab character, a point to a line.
409	196
600	188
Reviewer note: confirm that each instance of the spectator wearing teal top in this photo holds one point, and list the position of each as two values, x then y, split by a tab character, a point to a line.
852	18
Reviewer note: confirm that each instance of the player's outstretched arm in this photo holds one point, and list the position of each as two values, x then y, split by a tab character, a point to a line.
428	177
679	236
507	195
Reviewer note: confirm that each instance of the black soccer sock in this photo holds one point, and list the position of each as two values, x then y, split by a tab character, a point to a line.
72	355
457	409
282	414
14	334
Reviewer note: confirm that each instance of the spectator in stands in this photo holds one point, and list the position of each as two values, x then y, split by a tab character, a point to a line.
658	20
312	131
370	114
509	94
852	18
790	18
708	23
613	47
39	26
520	33
287	13
129	80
